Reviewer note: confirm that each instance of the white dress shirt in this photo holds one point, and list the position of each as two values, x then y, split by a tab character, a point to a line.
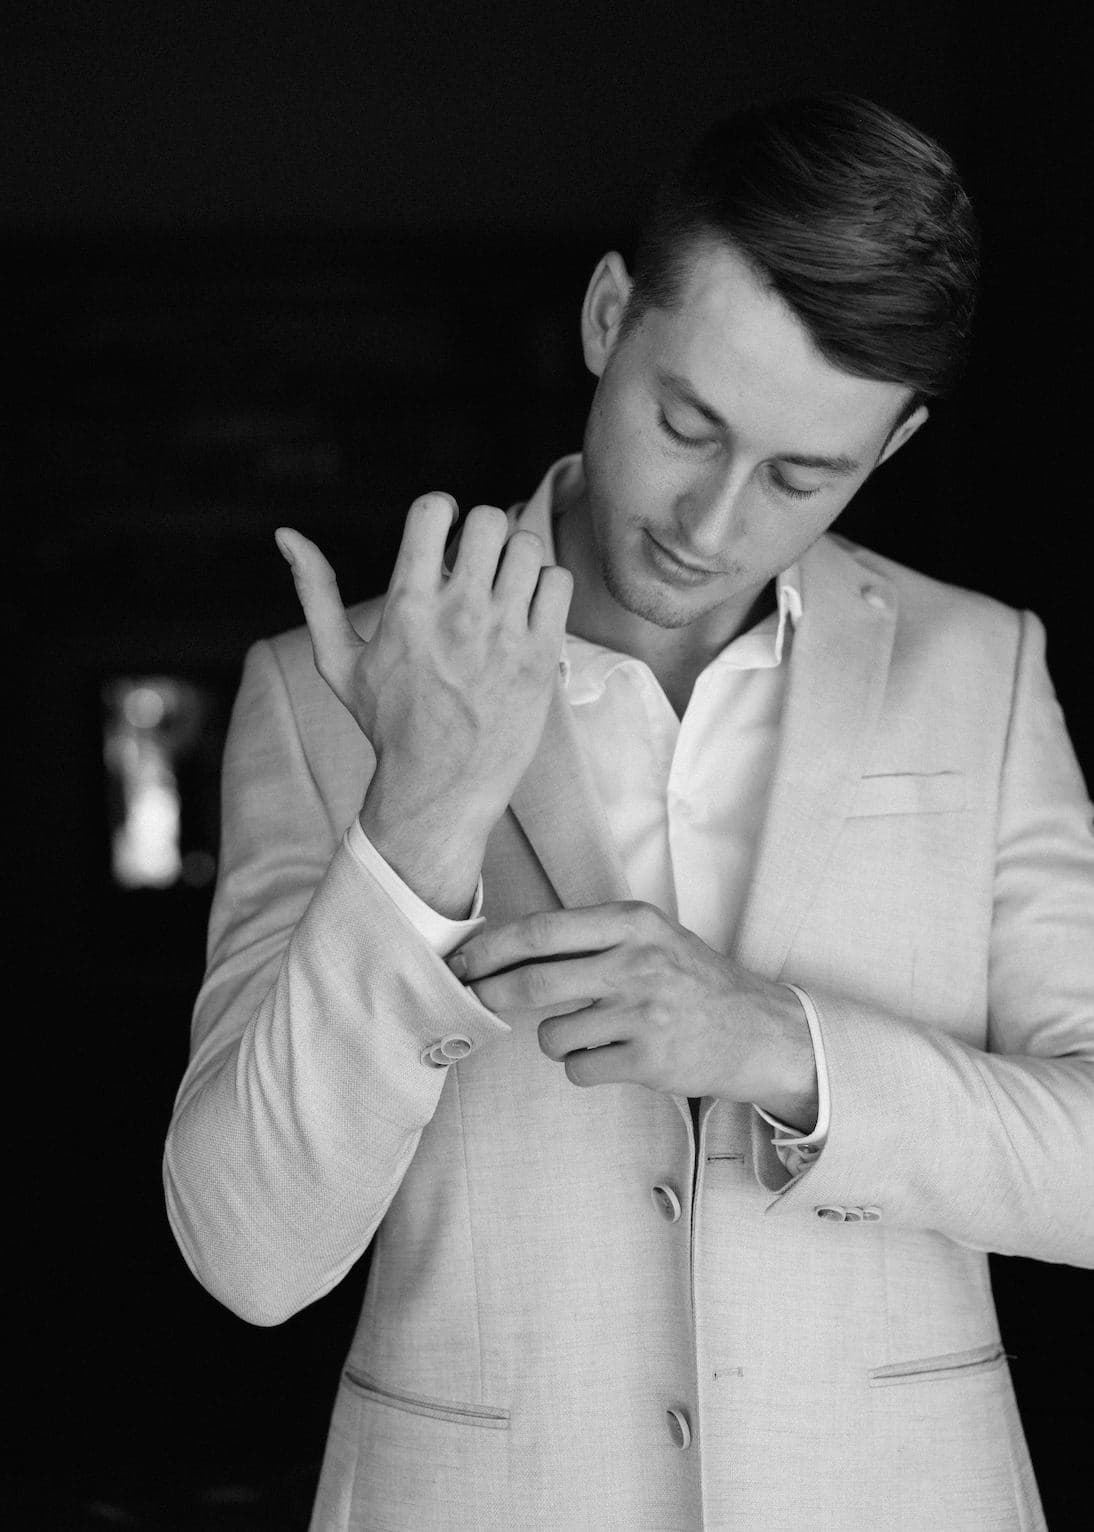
684	797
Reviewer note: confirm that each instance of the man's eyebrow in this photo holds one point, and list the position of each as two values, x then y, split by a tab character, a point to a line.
841	463
838	464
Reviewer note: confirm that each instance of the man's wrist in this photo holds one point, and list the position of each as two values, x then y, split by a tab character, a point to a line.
794	1095
438	861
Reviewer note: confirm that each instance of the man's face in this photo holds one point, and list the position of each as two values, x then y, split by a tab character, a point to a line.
689	450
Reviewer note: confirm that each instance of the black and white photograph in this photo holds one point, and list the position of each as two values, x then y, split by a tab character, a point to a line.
551	887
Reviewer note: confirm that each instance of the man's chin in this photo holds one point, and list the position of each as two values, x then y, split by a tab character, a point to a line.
655	603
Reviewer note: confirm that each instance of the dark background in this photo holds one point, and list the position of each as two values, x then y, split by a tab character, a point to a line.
267	266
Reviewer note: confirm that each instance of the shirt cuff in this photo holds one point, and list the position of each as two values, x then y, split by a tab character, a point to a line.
795	1149
442	934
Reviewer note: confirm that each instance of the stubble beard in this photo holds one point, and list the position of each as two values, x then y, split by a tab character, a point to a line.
642	596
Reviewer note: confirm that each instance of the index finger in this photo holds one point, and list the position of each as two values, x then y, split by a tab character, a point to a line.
419	560
545	935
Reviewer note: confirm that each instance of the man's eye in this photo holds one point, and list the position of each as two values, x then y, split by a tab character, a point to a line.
784	488
678	436
789	489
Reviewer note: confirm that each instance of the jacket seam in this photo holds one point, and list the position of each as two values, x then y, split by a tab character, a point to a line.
454	1076
300	740
1008	734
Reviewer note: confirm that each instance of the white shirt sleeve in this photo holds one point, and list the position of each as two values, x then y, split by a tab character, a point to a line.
442	934
798	1150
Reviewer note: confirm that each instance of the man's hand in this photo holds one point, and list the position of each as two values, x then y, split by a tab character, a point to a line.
451	691
655	1005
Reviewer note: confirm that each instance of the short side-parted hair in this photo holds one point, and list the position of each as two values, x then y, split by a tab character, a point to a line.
856	219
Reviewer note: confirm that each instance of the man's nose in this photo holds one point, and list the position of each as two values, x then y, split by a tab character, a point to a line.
714	515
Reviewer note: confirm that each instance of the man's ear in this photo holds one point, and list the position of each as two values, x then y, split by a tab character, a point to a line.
602	312
903	433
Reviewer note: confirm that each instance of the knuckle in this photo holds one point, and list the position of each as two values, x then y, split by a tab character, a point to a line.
462	622
651	1010
399	605
649	958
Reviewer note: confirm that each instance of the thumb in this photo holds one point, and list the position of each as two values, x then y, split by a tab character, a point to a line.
335	641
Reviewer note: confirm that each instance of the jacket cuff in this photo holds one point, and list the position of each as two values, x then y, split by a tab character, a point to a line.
795	1149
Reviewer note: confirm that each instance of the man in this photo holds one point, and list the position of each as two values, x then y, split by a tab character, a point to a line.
781	846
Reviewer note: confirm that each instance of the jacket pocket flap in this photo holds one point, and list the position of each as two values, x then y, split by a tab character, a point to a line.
951	1364
909	792
420	1404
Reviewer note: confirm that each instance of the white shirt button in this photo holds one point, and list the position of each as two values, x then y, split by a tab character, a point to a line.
679	1427
873	597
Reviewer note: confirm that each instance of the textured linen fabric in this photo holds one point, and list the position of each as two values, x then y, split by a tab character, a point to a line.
579	1312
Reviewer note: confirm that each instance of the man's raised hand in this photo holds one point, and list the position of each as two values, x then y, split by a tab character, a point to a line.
453	688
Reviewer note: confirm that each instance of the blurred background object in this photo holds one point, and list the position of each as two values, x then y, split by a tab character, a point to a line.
267	265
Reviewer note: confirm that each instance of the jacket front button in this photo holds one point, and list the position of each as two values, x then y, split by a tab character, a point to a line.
433	1055
666	1202
837	1214
455	1046
679	1427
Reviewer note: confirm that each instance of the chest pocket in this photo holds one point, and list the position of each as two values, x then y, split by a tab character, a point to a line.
909	792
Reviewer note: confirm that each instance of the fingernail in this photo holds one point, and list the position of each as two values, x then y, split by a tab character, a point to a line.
283	549
458	964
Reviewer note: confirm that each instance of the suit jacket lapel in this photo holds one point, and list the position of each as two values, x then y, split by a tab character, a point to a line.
556	802
839	663
559	811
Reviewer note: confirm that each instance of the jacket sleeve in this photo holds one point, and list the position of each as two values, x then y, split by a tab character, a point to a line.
992	1148
309	1081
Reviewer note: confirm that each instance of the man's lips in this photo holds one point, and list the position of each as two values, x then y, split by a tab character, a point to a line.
677	559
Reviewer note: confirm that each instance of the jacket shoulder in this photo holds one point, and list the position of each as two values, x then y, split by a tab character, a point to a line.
948	612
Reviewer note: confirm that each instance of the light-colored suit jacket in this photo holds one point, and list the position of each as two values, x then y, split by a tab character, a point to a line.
577	1317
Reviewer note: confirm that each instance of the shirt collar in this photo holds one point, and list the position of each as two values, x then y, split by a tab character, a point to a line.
585	666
